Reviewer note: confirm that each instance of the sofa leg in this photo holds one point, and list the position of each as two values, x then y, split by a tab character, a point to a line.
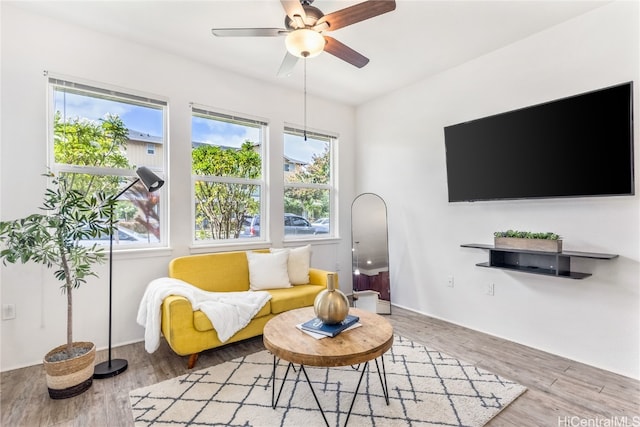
192	360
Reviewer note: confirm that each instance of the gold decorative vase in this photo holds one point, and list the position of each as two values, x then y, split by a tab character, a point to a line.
331	305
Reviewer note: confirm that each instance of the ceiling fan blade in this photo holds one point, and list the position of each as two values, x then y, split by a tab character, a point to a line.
356	13
344	52
248	32
295	11
288	63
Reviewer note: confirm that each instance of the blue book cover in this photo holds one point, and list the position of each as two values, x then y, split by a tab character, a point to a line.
318	326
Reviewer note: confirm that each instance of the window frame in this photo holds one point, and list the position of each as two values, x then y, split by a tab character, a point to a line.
331	186
218	114
105	91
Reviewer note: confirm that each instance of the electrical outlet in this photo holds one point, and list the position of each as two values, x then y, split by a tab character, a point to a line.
337	266
491	290
8	311
450	281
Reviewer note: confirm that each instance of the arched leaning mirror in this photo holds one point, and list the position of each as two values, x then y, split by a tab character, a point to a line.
370	254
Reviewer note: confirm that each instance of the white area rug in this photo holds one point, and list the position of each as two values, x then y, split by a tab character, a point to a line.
426	388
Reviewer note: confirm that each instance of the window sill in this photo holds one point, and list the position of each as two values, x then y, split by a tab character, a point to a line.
141	252
245	245
229	246
313	241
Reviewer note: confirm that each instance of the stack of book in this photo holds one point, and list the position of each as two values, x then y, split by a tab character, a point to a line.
317	326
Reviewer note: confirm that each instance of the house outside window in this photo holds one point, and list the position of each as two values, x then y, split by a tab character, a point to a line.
309	188
227	176
94	146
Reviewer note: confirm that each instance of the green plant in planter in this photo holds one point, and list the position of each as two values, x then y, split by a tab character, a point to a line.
527	235
53	238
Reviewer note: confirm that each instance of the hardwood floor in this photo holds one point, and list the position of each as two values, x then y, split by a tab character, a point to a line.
561	392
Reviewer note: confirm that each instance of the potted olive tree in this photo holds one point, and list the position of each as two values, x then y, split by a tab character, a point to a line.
54	237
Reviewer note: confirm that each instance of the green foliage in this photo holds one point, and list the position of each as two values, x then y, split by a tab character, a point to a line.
125	211
103	145
527	235
84	143
314	202
221	207
316	172
53	237
75	207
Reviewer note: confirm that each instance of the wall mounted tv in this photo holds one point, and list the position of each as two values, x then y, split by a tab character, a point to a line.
572	147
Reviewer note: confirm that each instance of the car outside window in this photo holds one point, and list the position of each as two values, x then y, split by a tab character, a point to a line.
293	226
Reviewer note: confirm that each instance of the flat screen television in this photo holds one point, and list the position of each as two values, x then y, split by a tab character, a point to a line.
572	147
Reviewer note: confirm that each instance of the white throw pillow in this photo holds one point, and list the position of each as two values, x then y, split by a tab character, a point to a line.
298	265
268	270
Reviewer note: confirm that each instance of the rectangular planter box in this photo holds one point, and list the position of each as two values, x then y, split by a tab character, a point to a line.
542	245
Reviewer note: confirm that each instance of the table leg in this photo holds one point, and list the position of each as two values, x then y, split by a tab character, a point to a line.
274	400
304	371
355	393
273	383
385	389
383	384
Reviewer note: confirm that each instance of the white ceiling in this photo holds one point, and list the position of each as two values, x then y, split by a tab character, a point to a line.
419	39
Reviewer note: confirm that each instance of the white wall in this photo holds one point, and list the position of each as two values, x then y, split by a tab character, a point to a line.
400	155
31	44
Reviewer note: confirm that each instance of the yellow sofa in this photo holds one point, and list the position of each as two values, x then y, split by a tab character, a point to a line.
189	332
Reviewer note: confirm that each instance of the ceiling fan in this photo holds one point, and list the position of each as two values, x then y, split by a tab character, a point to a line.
304	28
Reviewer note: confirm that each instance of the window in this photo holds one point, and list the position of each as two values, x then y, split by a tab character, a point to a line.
227	174
151	149
308	183
98	139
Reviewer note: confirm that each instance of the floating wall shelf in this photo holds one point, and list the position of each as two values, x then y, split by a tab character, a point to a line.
536	262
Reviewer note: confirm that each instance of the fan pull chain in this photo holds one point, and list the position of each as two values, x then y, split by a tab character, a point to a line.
305	99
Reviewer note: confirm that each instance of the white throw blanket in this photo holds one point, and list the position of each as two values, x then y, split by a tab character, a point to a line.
228	311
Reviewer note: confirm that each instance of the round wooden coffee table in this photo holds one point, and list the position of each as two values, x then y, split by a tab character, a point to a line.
352	347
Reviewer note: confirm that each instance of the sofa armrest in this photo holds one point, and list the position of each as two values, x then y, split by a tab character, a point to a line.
177	322
319	277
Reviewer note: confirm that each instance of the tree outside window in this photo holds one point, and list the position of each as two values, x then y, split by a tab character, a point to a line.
308	187
227	175
97	146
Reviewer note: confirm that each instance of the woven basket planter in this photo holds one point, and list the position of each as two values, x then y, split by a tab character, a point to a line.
70	377
542	245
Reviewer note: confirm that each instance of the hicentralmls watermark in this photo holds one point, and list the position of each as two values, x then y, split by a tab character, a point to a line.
575	421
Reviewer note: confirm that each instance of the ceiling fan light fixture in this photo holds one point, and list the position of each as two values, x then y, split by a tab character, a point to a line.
304	43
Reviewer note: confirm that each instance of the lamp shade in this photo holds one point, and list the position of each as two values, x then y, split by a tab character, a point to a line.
304	43
150	180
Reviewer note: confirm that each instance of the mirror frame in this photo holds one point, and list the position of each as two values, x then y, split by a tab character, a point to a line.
375	254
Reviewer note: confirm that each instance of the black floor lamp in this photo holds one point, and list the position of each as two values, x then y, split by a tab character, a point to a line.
113	367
